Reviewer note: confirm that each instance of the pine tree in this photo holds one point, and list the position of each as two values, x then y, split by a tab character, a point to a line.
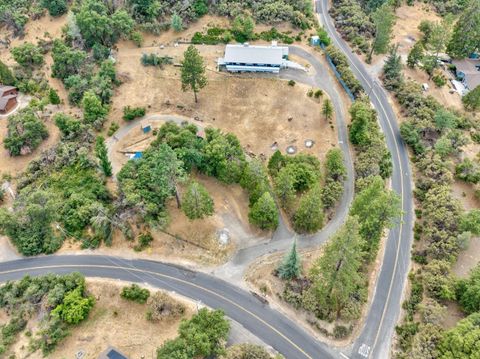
415	55
193	71
176	22
291	266
276	162
102	155
336	276
196	202
466	34
384	19
392	69
327	109
53	97
264	212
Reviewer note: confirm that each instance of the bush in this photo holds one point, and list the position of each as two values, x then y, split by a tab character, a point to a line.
144	241
135	293
264	213
318	93
25	132
131	113
161	306
439	79
113	128
28	55
55	7
200	337
155	60
137	38
291	83
341	331
247	351
75	306
67	125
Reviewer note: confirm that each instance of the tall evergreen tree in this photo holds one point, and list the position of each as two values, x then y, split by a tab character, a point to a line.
53	97
176	22
376	208
336	276
384	19
102	155
437	42
415	55
466	34
197	203
392	69
291	266
327	109
193	71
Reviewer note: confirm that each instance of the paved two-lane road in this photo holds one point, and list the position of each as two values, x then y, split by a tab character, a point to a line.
267	324
375	338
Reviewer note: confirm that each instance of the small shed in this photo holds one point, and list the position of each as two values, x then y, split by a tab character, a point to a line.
146	127
315	40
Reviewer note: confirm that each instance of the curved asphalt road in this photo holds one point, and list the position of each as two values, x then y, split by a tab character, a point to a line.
375	338
267	324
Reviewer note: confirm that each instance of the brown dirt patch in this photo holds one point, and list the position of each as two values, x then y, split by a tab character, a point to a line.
113	321
255	109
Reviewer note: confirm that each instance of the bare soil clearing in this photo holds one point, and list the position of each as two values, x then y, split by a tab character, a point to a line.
260	111
113	321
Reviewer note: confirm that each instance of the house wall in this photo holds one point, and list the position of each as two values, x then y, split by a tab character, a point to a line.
252	68
10	105
10	92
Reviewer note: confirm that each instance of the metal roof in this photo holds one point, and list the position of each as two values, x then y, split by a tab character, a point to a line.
246	54
5	88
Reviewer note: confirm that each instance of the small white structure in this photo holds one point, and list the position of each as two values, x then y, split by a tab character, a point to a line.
246	58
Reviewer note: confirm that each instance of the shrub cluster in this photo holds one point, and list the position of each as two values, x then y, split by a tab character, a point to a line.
341	62
64	303
135	293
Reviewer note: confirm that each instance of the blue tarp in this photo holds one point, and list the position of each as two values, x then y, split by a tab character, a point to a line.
137	155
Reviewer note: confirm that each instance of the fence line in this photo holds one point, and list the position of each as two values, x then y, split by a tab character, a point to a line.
338	75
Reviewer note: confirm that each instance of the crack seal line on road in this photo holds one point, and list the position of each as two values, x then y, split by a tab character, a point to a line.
164	276
328	24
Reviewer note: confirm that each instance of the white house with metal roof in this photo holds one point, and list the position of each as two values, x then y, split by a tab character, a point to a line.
248	58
